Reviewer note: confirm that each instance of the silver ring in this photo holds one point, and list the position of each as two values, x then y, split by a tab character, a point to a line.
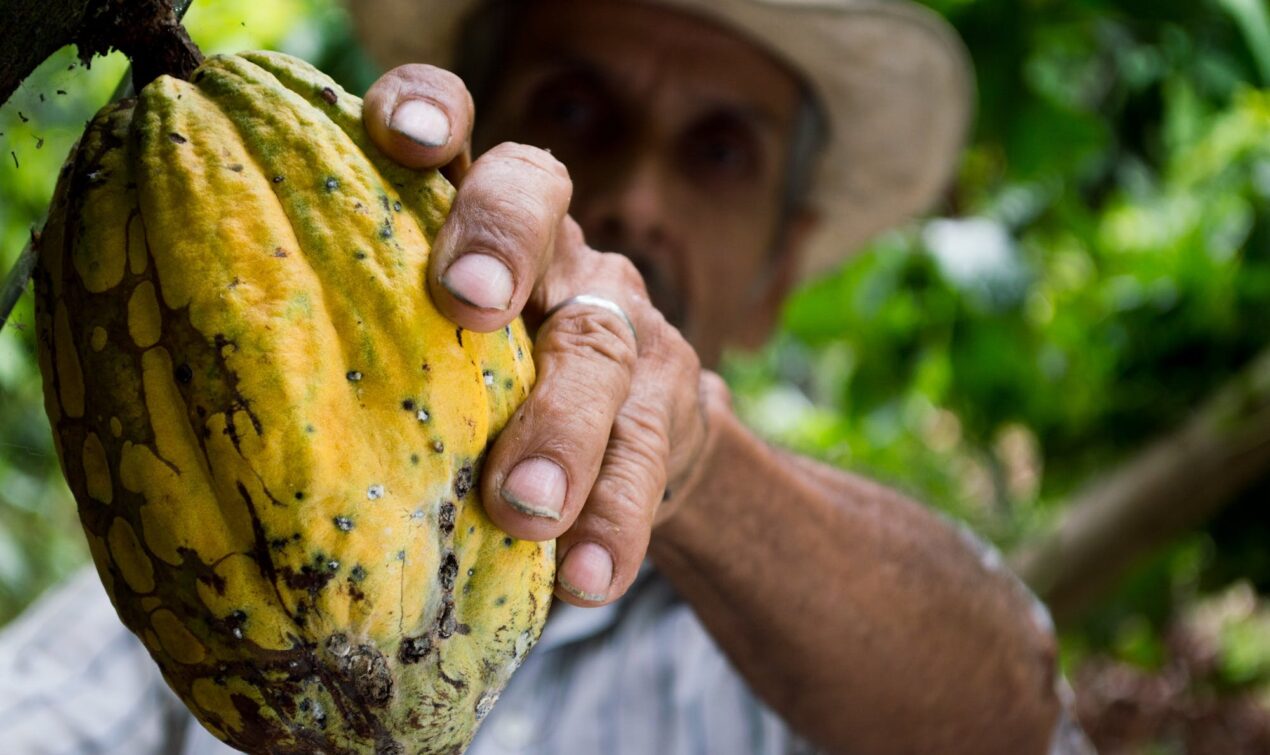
592	300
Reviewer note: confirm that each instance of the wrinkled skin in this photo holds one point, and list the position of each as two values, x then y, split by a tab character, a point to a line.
870	624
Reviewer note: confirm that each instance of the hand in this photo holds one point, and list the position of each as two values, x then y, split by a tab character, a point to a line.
616	422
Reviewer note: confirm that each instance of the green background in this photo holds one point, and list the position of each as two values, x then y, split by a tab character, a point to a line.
1100	267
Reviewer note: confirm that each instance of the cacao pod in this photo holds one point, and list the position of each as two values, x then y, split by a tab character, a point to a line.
272	434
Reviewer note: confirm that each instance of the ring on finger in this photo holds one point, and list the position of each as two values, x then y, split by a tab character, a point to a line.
595	300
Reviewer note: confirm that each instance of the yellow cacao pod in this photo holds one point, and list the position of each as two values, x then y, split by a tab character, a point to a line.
272	434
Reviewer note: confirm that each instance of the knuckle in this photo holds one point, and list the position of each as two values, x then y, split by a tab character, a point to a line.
640	433
504	219
594	334
622	270
538	160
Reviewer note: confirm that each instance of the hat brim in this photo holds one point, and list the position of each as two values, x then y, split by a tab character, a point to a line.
893	78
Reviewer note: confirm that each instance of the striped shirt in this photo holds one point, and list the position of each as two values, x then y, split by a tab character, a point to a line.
638	677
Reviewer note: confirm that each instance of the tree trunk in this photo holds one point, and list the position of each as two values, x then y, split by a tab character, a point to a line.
1172	486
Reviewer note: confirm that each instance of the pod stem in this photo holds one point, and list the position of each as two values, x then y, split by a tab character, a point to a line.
149	32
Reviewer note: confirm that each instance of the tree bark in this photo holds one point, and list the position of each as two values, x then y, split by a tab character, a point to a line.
147	31
34	30
1173	485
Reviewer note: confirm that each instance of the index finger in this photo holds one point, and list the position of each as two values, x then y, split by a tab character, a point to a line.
419	115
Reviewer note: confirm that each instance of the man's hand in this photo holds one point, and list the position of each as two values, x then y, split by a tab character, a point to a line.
616	420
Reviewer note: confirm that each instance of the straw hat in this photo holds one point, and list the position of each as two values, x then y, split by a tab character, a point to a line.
892	77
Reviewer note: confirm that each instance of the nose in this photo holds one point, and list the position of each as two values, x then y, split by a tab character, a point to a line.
627	211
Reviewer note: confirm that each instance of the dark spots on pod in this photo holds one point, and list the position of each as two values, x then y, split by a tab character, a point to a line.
299	495
446	624
236	167
385	229
507	384
488	377
329	96
471	530
310	429
279	252
359	255
408	404
458	335
427	367
414	649
364	666
383	202
234	623
463	481
278	179
396	206
448	571
438	446
312	577
520	353
177	138
343	523
278	543
332	183
353	376
445	518
507	542
357	573
414	459
183	374
401	555
500	601
471	572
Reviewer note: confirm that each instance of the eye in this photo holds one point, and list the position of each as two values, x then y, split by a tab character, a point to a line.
569	111
722	147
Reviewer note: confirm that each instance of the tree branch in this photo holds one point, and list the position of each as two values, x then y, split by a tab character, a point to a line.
1173	485
147	31
34	30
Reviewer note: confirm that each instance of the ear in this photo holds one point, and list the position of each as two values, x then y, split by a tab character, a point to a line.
781	275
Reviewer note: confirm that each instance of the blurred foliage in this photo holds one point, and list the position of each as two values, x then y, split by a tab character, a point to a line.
1102	264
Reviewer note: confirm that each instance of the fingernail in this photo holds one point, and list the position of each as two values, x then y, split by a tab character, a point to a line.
587	572
536	487
480	280
421	122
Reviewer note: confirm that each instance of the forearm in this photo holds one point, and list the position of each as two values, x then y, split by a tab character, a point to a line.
866	621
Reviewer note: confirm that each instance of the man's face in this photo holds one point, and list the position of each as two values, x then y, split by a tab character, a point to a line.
676	134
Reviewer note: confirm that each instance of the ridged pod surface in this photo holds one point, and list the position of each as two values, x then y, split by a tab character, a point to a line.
272	434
